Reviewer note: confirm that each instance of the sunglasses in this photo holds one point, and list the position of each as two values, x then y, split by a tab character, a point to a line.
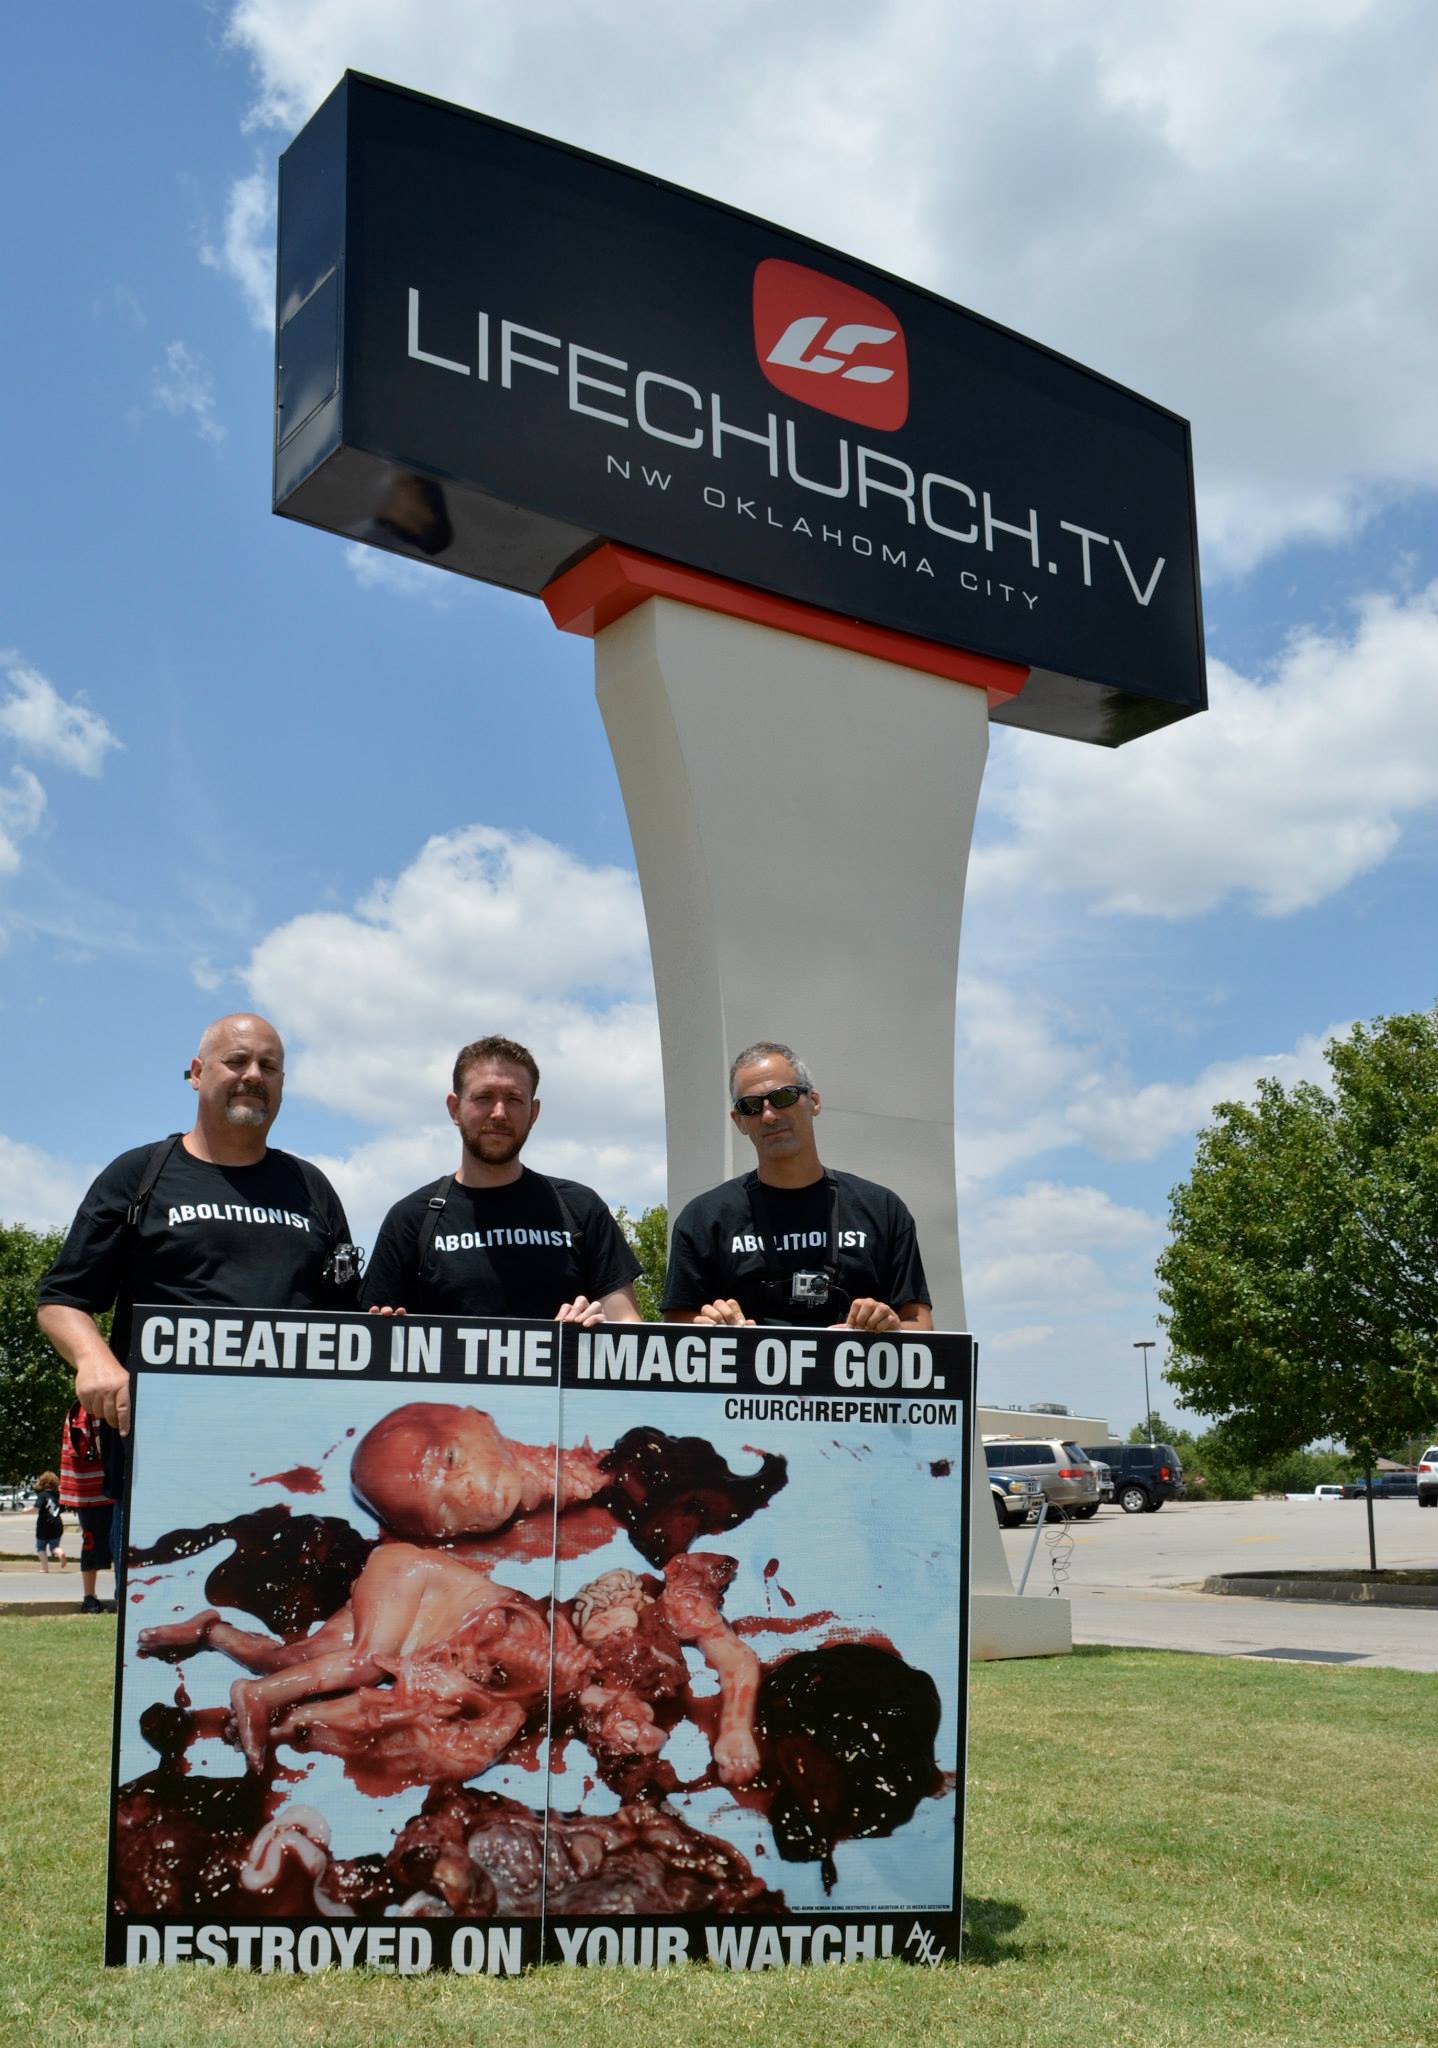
777	1098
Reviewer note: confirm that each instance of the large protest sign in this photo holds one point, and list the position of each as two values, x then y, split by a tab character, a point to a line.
465	1646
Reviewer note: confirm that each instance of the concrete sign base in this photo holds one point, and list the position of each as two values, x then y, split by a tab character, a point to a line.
801	817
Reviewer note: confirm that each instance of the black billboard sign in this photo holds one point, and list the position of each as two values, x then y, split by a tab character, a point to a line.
495	352
457	1645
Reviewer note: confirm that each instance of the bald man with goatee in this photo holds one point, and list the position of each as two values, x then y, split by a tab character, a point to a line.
212	1217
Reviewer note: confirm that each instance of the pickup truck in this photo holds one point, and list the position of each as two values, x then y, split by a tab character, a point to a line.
1318	1493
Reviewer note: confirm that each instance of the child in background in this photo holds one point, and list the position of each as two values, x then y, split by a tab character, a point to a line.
49	1524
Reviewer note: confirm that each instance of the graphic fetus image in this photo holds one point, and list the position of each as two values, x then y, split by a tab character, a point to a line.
434	1472
427	1673
637	1684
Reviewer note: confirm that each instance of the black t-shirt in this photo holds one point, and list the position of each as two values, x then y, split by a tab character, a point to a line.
507	1251
742	1237
207	1236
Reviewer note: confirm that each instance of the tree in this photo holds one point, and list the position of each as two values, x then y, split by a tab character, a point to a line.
1155	1430
1301	1276
35	1387
648	1237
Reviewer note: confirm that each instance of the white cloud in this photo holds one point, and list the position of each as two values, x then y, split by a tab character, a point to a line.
1013	1069
22	806
183	386
1052	1217
1071	1281
122	300
1028	1084
1198	199
37	1189
43	723
1136	1123
375	569
484	931
1025	1337
246	250
1283	793
371	1176
1199	207
1072	1249
1058	1277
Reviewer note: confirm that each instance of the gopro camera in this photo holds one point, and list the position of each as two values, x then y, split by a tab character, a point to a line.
808	1290
346	1263
795	1297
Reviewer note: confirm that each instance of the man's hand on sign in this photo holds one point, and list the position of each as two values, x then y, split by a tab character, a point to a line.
581	1310
102	1385
376	1310
722	1312
617	1306
912	1315
867	1314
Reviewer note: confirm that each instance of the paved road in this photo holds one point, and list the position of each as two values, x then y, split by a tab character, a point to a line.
1133	1580
28	1585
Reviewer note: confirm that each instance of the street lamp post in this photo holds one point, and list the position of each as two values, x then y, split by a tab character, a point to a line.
1145	1345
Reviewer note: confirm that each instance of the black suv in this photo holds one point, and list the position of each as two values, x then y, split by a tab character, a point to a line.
1144	1475
1384	1486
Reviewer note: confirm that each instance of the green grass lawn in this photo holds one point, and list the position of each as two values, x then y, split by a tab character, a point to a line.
1161	1849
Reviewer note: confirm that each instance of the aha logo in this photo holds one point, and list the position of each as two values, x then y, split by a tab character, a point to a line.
829	345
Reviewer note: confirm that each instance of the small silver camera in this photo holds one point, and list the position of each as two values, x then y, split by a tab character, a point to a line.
346	1263
808	1290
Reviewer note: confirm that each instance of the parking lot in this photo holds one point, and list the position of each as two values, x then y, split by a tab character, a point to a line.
1134	1580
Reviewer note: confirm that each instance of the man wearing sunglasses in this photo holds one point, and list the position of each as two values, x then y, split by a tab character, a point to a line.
793	1241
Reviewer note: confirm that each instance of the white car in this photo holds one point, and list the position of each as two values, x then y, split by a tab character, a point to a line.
1428	1478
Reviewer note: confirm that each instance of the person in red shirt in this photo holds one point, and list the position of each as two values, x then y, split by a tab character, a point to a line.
82	1487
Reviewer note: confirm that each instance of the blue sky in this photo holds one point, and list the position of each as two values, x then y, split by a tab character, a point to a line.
242	764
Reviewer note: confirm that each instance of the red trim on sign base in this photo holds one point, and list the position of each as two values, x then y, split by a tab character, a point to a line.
613	580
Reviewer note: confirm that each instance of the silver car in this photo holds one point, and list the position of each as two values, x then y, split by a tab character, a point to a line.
1063	1470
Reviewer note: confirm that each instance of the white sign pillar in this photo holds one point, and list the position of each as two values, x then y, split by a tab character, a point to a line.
801	816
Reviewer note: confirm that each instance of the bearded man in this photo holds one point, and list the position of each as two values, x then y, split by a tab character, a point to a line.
212	1217
496	1238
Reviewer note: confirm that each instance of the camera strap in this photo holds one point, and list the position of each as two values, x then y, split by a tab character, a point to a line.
439	1195
315	1184
154	1167
764	1230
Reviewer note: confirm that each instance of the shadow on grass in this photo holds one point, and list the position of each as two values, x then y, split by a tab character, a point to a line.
986	1922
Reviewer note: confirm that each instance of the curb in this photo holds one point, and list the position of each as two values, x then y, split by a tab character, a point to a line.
46	1607
1353	1592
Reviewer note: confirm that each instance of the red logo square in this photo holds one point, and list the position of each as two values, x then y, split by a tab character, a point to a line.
830	346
